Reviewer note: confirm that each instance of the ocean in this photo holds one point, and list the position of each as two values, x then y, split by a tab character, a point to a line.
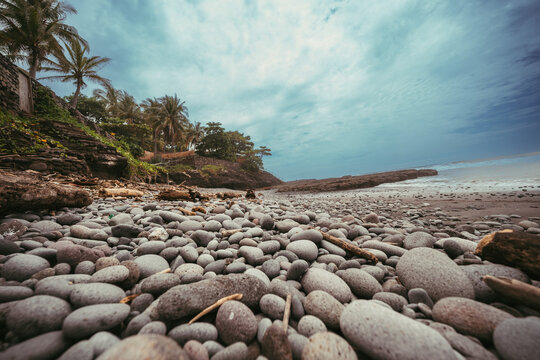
509	173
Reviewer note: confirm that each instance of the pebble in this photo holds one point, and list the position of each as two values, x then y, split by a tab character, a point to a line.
362	284
395	301
37	315
297	342
434	272
95	293
382	333
88	320
147	346
46	346
319	279
189	299
309	325
22	266
418	239
150	264
483	292
304	249
195	350
236	322
327	345
103	341
12	293
517	339
199	331
297	269
111	274
80	351
469	317
325	307
238	350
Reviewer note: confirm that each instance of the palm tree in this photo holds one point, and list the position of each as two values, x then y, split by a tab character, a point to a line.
151	113
111	97
128	109
174	117
195	133
77	67
30	30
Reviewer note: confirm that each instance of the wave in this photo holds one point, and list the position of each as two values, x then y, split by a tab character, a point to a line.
497	161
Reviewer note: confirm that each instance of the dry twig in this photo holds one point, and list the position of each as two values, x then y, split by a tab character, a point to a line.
215	306
349	247
287	313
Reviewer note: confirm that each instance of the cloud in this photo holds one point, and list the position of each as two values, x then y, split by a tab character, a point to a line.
334	87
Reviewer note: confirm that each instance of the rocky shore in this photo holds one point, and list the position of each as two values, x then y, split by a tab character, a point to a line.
121	278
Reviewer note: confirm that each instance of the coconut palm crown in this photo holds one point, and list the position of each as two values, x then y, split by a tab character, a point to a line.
76	67
30	30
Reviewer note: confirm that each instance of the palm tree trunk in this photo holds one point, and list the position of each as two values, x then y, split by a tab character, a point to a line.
155	144
33	69
76	96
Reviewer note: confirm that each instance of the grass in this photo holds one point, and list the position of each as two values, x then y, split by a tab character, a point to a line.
47	110
178	168
212	169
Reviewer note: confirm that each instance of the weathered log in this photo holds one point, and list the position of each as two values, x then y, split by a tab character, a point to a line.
349	247
114	192
174	195
22	190
516	290
517	249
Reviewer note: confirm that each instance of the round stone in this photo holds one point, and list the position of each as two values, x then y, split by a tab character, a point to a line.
382	333
22	266
304	249
236	322
273	306
111	274
151	247
395	301
158	234
46	346
12	293
159	283
469	317
434	272
150	264
297	269
319	279
237	350
361	283
145	346
103	341
37	315
309	325
88	320
325	307
311	235
517	339
197	331
190	225
483	292
95	293
418	239
327	345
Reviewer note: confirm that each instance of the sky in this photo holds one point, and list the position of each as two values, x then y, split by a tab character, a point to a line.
334	88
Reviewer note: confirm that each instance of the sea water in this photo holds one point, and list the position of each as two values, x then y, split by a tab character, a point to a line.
495	174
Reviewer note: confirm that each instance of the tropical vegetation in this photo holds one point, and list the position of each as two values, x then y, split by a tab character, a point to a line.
33	32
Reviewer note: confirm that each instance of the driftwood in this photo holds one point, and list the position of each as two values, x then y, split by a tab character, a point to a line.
516	249
186	211
349	247
198	209
225	233
22	190
174	195
287	313
215	306
516	290
114	192
128	298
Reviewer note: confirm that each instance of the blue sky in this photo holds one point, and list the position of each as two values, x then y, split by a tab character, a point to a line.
334	87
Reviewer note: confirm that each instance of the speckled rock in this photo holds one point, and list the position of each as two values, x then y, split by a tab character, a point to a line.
418	239
517	339
37	315
150	264
382	333
46	346
236	322
189	299
304	249
481	290
309	325
272	306
95	293
361	283
199	331
434	272
89	320
327	345
22	266
155	347
318	279
111	274
469	317
325	307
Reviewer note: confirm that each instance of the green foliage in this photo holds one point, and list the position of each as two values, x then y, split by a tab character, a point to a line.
19	135
91	107
133	136
212	169
216	143
46	108
178	168
252	162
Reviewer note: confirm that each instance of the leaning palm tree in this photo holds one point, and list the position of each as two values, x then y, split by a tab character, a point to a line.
152	116
174	117
111	97
128	109
195	133
30	29
77	67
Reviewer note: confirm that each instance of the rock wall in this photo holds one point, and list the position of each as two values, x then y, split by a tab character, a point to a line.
9	85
